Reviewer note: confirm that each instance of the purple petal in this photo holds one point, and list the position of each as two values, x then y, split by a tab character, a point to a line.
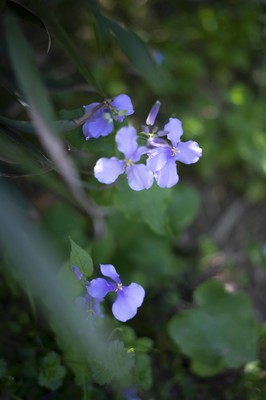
90	107
110	271
123	102
157	142
139	177
99	287
77	273
167	176
97	309
174	130
139	152
126	139
90	305
188	152
107	170
97	125
158	157
153	113
127	301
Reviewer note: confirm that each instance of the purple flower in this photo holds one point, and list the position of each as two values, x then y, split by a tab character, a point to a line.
101	123
78	273
163	156
139	176
128	299
130	394
90	306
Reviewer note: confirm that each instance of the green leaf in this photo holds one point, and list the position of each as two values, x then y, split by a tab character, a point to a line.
183	207
148	206
26	71
81	259
221	332
143	371
205	370
115	366
52	371
24	13
3	368
133	47
28	127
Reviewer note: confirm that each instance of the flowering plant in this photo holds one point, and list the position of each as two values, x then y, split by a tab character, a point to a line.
128	299
162	149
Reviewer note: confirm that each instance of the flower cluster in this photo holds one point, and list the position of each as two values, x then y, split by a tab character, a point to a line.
163	148
128	299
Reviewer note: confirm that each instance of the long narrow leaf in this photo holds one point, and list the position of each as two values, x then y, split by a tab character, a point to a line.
41	113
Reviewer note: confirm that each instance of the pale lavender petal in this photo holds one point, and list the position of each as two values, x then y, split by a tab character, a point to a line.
126	139
110	271
167	176
123	102
77	273
188	152
99	287
139	177
90	107
107	170
174	130
97	308
140	151
157	142
127	301
158	157
97	125
153	113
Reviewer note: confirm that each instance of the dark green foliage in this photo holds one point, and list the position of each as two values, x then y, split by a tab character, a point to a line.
52	371
115	365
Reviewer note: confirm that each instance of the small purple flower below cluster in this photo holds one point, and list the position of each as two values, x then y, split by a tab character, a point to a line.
128	300
162	150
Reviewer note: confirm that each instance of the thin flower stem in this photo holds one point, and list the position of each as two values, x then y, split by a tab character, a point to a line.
85	117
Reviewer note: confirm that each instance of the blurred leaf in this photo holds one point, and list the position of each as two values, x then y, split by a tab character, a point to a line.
67	45
205	370
28	127
183	207
23	12
116	364
133	47
148	206
80	258
220	332
143	371
41	112
52	372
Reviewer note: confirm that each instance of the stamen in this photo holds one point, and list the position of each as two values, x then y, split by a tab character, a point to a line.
174	151
119	287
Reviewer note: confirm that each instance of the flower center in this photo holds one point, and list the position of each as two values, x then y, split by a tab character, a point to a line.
108	117
119	287
173	151
128	162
